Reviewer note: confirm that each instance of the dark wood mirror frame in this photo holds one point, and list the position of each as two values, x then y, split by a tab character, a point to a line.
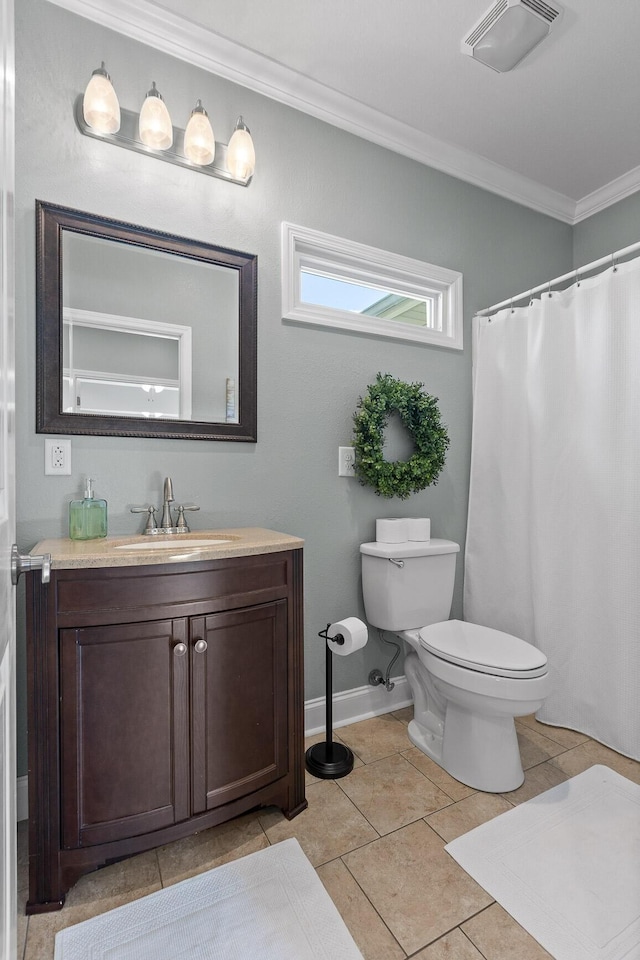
51	221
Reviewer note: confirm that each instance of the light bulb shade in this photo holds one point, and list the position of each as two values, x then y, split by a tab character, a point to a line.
154	126
241	154
100	107
199	142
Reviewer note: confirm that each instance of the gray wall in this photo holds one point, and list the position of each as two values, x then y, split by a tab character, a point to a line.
309	380
605	232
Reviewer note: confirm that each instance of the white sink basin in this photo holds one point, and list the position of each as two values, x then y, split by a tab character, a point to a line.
169	543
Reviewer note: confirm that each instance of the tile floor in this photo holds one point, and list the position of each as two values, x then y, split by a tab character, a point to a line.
377	841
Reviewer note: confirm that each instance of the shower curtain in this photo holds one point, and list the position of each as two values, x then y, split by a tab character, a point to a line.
553	537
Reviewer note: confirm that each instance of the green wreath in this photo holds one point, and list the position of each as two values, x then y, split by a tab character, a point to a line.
420	415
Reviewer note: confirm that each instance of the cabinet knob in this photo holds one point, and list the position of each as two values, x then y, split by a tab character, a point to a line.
180	649
201	646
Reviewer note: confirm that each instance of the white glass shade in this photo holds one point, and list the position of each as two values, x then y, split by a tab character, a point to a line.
154	126
199	142
100	106
241	154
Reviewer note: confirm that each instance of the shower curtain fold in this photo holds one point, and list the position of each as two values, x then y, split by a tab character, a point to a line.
553	536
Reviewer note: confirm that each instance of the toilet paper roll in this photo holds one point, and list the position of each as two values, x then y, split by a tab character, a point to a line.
391	530
419	528
354	635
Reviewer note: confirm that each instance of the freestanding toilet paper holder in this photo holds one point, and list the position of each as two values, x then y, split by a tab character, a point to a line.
328	760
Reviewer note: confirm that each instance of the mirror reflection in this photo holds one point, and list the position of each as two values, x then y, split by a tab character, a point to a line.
135	372
155	334
147	333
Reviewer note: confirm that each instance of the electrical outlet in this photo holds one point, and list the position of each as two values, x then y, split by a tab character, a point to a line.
57	457
346	460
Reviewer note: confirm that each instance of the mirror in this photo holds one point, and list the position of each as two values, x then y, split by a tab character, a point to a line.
142	333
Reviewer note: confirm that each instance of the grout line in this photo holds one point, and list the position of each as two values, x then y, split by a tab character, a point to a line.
358	846
446	933
26	937
420	817
526	727
479	912
264	832
439	786
162	886
474	945
364	894
472	942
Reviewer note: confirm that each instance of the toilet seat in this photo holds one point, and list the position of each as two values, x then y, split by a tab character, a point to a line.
483	649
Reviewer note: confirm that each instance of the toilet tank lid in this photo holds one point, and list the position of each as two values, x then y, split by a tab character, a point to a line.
410	548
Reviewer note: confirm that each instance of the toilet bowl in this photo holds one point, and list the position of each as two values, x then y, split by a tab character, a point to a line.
464	710
469	682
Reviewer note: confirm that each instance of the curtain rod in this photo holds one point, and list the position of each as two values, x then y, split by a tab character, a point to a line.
573	274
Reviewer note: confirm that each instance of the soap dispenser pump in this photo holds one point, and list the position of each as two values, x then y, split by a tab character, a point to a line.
88	517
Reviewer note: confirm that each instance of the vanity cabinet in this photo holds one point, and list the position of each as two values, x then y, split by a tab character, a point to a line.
163	699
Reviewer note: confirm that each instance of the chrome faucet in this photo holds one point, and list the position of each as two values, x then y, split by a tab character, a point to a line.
166	523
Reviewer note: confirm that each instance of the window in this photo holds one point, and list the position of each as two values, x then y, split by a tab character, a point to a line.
333	282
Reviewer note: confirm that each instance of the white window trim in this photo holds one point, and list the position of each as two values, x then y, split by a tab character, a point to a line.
304	248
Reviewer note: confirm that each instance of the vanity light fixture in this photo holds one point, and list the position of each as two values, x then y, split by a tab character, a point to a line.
100	107
154	125
241	155
99	115
199	141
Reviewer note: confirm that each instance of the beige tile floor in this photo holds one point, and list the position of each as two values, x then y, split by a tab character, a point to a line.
377	841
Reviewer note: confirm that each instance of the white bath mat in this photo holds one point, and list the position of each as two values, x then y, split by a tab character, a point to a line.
566	866
270	905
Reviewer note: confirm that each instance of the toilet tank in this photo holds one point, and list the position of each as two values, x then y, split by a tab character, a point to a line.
412	593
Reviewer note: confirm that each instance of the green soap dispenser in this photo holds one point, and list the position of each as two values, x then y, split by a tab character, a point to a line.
88	517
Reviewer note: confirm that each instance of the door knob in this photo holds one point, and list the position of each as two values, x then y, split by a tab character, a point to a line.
180	649
21	563
201	646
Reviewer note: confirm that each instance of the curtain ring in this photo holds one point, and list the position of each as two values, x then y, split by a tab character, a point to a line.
549	289
512	310
531	302
614	265
577	280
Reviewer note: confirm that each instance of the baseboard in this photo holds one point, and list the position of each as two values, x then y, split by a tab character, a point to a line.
360	703
22	798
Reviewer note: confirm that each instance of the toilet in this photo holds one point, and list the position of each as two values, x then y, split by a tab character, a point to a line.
468	682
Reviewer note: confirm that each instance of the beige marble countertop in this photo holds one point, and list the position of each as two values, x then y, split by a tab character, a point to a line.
122	551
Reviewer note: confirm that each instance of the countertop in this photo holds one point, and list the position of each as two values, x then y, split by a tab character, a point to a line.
112	551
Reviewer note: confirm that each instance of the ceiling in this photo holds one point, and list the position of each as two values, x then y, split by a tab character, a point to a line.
559	133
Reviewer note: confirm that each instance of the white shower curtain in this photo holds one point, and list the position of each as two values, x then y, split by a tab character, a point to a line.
553	538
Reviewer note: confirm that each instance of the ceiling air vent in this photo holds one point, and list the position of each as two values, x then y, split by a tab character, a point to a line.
542	9
506	33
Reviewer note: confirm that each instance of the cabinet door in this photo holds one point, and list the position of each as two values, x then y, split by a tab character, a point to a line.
124	730
239	702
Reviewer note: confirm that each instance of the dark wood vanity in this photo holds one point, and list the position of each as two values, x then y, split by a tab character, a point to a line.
164	697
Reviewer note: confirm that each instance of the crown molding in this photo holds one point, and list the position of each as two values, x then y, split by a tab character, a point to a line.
154	26
606	196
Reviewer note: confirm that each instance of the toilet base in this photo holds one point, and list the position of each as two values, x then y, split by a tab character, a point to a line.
479	751
426	741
